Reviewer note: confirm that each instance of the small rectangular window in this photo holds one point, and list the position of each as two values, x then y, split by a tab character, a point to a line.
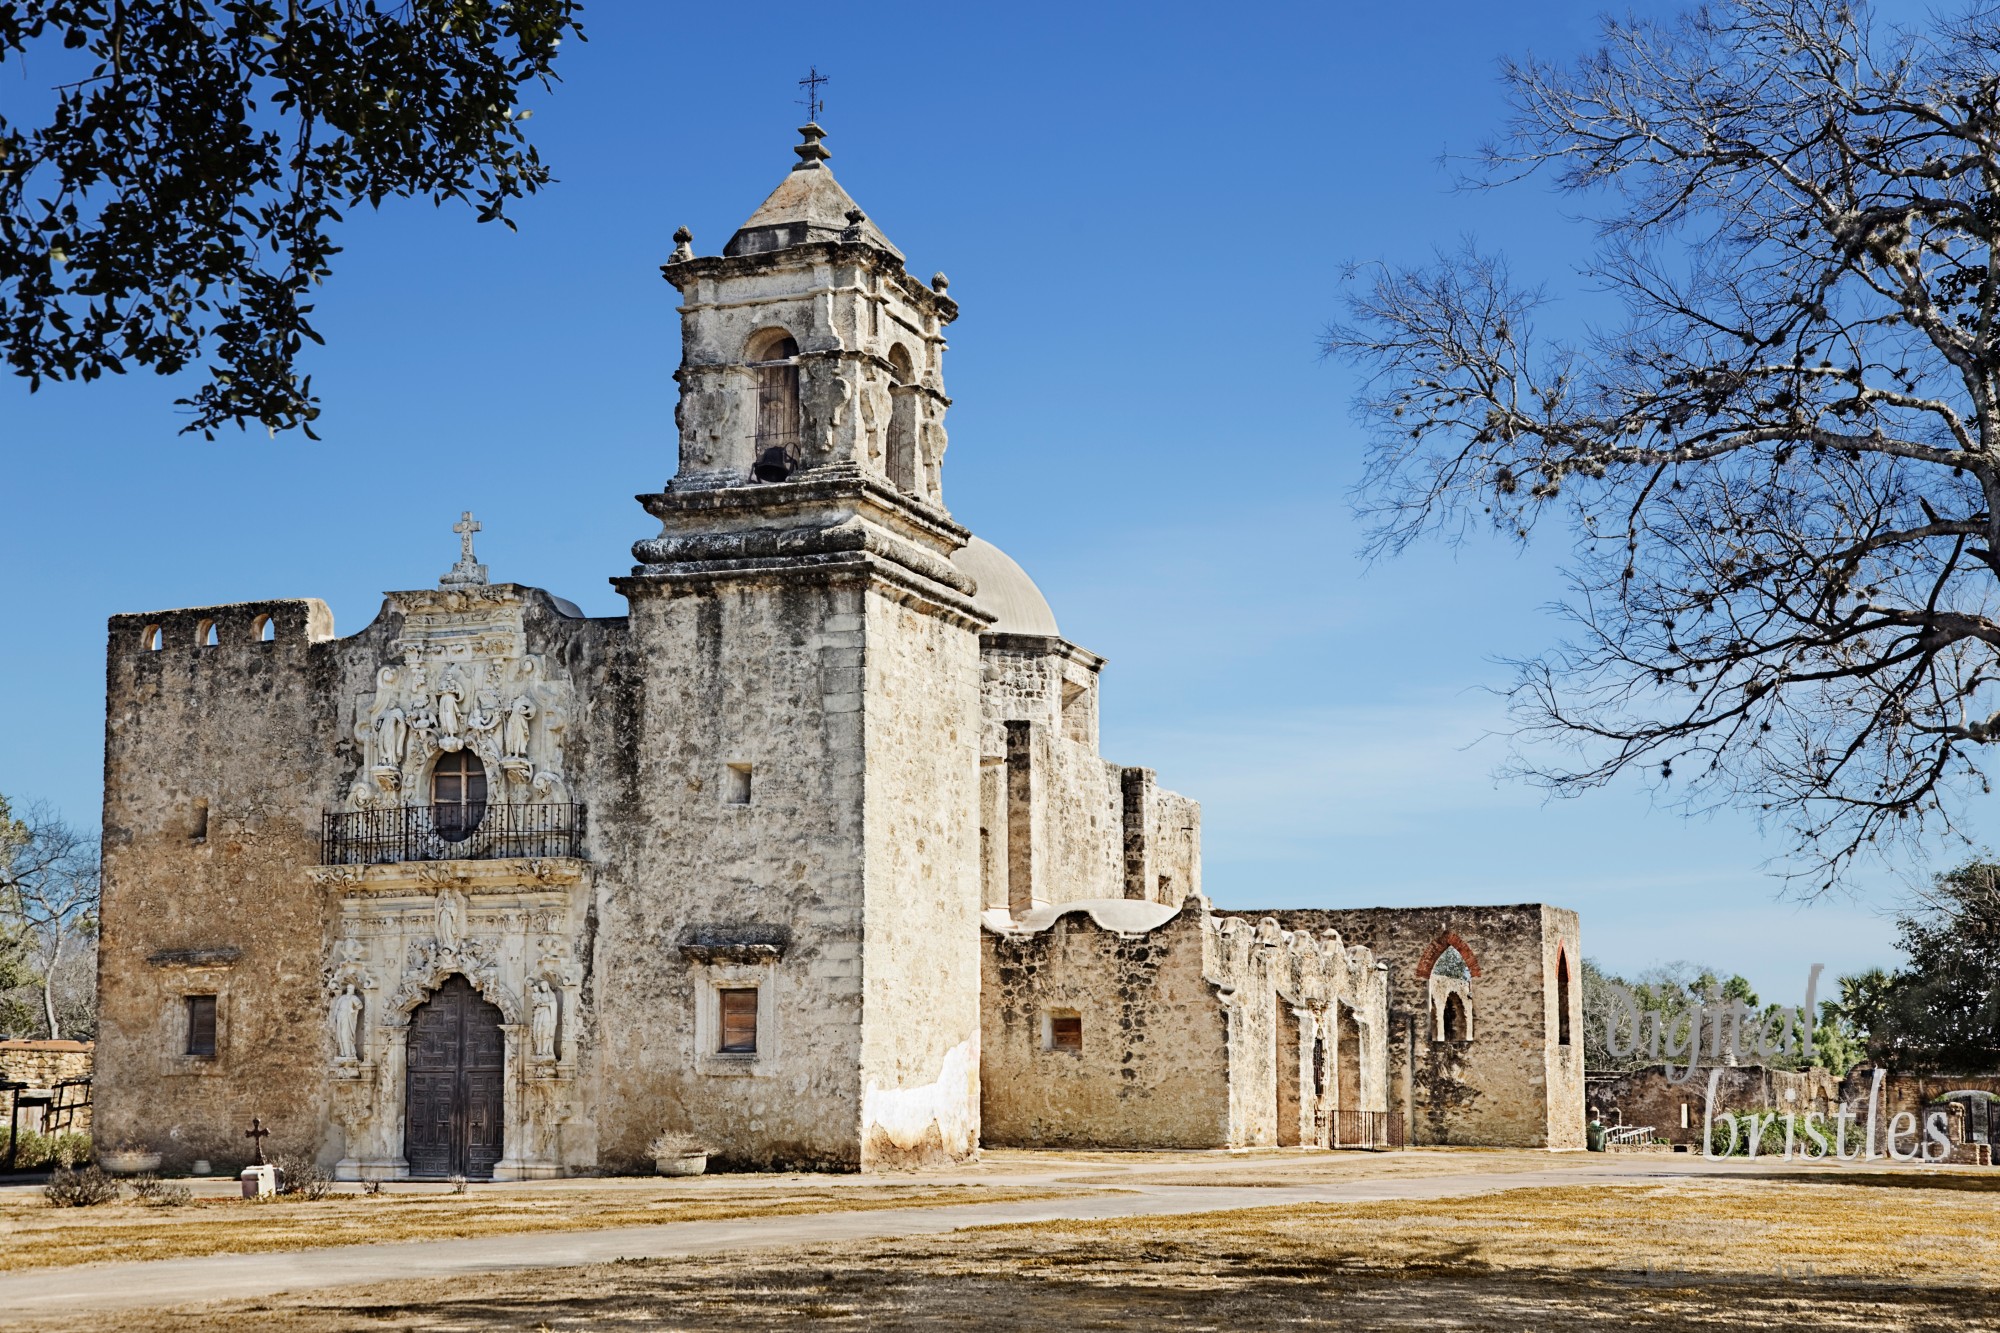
198	827
738	789
1065	1033
739	1022
201	1026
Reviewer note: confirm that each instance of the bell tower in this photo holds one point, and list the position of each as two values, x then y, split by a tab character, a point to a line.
807	349
806	673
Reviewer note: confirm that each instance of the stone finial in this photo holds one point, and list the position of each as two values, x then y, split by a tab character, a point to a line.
468	571
855	217
811	154
683	246
939	282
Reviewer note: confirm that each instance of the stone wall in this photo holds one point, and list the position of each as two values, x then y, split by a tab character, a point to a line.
1060	823
1153	1070
1514	1084
1649	1098
1196	1030
920	961
763	672
42	1065
218	762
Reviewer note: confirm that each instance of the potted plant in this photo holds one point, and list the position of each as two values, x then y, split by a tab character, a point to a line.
129	1159
678	1155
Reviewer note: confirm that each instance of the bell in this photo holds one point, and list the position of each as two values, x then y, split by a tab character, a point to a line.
774	464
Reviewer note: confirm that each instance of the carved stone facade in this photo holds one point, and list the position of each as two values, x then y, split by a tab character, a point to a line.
716	866
512	928
463	680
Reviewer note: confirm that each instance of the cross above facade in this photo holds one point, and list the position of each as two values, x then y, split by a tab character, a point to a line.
257	1134
465	527
468	570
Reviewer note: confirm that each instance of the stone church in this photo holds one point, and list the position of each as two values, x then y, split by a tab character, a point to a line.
810	855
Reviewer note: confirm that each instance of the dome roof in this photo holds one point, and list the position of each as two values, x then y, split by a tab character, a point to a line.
808	205
1005	590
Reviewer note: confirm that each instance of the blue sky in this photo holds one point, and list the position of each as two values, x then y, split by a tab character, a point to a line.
1144	212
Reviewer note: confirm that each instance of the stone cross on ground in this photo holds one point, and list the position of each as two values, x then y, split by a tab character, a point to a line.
257	1134
468	570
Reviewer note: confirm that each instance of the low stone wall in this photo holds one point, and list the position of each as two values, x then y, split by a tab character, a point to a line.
41	1065
1673	1109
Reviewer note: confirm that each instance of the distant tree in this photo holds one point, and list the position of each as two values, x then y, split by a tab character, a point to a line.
177	199
49	897
1940	1012
1780	458
15	972
1673	991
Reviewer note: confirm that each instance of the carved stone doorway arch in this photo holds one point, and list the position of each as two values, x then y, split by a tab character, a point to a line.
455	1123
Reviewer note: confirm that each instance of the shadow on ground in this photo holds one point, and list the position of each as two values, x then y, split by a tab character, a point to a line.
923	1286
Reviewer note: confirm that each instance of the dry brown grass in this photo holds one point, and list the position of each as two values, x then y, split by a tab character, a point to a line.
34	1235
1889	1252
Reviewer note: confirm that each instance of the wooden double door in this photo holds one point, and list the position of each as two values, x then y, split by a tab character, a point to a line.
454	1124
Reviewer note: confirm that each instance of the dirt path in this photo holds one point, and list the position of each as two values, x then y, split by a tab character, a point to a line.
1105	1193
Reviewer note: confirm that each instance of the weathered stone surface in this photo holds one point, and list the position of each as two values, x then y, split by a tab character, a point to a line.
1196	1032
1514	1083
800	766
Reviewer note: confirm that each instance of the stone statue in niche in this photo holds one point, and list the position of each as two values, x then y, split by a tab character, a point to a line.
347	1024
542	1020
451	711
514	736
392	737
450	924
464	683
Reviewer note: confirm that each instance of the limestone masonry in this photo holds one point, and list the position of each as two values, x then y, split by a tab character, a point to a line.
811	855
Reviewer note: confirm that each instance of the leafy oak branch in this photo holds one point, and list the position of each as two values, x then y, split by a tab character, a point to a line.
177	199
1781	466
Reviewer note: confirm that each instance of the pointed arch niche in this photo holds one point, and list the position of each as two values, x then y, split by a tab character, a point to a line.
1446	974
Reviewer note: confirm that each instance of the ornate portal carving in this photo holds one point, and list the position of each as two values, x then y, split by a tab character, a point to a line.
466	682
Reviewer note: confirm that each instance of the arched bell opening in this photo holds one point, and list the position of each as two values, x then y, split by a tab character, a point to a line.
774	451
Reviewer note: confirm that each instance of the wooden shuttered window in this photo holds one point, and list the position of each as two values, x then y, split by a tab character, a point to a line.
739	1022
201	1025
1065	1032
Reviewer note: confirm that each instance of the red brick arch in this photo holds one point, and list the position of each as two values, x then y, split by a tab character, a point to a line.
1449	940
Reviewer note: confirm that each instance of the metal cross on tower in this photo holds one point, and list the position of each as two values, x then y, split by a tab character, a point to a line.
811	83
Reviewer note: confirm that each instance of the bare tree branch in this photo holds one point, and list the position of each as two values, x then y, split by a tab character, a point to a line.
1782	468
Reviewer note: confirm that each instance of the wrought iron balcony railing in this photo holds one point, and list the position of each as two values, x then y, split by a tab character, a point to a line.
449	832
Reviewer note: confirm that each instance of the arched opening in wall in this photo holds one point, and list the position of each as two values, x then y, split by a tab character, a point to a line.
1291	1078
204	635
264	629
775	446
1350	1126
1562	998
152	639
1451	963
902	450
1454	1025
458	795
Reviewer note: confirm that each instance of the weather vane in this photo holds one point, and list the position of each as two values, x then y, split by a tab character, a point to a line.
812	102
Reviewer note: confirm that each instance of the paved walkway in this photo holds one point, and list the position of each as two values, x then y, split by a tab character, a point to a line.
174	1282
